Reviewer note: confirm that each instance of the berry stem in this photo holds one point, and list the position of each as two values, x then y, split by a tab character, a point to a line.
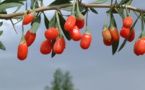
58	23
73	9
78	10
105	23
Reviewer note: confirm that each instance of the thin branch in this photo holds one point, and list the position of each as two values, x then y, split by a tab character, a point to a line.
58	7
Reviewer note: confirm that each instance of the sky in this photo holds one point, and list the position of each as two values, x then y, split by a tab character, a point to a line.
92	69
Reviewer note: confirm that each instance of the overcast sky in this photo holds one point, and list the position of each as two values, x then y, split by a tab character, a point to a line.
92	69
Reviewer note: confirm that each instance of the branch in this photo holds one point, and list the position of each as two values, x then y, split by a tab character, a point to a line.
58	7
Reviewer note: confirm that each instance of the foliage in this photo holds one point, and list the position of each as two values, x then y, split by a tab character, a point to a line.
78	11
62	81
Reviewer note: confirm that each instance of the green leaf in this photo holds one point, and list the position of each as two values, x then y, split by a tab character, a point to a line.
59	2
52	23
1	23
46	21
100	1
6	5
93	10
53	54
114	10
1	32
32	3
84	12
115	47
70	9
36	23
124	1
3	12
13	0
121	12
62	22
2	46
138	14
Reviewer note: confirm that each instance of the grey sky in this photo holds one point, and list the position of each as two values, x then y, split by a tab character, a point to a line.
92	69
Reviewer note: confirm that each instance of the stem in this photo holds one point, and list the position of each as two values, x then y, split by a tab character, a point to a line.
78	10
87	19
41	2
13	25
87	29
58	23
56	7
73	9
127	12
105	23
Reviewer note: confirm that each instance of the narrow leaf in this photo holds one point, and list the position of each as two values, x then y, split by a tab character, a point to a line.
62	22
7	5
52	23
121	12
1	32
93	10
46	21
100	1
36	23
13	0
59	2
115	47
124	1
2	46
70	9
32	3
53	54
3	12
1	23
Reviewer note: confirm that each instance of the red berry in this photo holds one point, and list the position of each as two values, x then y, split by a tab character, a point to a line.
22	51
46	47
86	41
125	32
114	34
127	22
80	23
30	37
51	33
70	23
132	36
75	34
28	18
108	43
139	47
106	35
59	46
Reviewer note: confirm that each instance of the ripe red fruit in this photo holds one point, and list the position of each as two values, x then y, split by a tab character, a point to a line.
135	48
125	32
70	23
46	47
80	23
108	43
132	36
22	51
30	37
51	33
86	41
114	34
127	22
75	34
59	46
28	18
139	47
106	35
